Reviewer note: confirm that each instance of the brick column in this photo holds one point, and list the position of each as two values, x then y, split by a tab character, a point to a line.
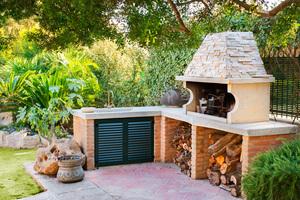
168	127
200	154
84	135
252	145
157	139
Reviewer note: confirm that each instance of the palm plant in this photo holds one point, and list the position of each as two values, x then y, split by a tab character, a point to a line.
12	90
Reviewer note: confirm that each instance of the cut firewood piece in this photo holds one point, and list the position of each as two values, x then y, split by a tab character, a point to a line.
236	178
224	179
233	150
211	161
215	168
226	187
224	167
228	159
189	173
208	172
220	143
214	178
236	191
213	137
220	160
234	140
229	167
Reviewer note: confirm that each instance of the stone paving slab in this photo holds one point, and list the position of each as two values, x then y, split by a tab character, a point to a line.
147	181
56	190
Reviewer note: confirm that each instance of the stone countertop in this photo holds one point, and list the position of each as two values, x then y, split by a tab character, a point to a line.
247	129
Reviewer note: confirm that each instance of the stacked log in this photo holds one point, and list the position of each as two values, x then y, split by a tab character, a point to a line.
182	142
224	168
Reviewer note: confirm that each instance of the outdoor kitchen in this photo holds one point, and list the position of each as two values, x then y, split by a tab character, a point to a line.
214	136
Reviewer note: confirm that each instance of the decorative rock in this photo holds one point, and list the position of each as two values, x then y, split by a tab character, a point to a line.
6	118
47	157
3	135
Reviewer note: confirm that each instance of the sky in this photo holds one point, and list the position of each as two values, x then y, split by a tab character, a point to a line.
271	3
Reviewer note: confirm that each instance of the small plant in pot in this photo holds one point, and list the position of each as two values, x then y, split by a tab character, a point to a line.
70	169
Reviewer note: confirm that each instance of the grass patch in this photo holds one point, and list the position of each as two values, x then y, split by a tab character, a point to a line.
15	183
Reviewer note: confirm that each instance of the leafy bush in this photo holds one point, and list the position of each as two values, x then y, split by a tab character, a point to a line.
162	67
72	62
49	100
12	90
275	175
120	71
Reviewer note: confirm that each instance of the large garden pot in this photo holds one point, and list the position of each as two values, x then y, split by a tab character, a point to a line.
70	169
174	98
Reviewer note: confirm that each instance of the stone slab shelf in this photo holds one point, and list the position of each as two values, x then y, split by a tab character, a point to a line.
246	129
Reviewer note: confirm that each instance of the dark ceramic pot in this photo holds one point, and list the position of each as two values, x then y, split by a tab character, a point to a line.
174	98
70	169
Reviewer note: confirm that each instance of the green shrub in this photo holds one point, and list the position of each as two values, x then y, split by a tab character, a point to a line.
162	67
120	71
49	100
12	91
275	175
72	62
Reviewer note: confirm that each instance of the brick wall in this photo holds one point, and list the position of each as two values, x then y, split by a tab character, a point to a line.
252	145
168	127
200	154
157	138
84	135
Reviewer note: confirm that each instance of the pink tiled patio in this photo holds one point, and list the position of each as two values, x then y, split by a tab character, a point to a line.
153	181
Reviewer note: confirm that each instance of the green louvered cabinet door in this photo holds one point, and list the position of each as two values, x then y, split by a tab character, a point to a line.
122	141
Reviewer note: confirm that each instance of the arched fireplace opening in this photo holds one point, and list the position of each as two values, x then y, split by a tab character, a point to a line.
210	98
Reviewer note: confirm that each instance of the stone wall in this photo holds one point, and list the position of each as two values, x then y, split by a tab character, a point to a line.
20	140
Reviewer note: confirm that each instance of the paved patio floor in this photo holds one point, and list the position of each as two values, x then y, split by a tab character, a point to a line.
145	181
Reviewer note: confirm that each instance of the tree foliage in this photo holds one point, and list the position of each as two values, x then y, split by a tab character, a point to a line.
153	23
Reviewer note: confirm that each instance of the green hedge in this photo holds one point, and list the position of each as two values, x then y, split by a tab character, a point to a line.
275	175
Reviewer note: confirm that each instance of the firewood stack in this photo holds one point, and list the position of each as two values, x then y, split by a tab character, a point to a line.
182	142
224	163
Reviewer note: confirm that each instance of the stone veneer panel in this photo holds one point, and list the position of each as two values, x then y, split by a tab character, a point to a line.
253	145
84	135
227	55
168	126
200	153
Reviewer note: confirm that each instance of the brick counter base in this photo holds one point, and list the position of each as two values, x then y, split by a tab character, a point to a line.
164	128
84	135
253	145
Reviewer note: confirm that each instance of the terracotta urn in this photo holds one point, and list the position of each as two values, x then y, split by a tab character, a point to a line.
70	169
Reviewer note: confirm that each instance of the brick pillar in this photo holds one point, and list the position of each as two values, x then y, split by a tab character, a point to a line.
200	154
252	145
157	139
84	135
168	127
